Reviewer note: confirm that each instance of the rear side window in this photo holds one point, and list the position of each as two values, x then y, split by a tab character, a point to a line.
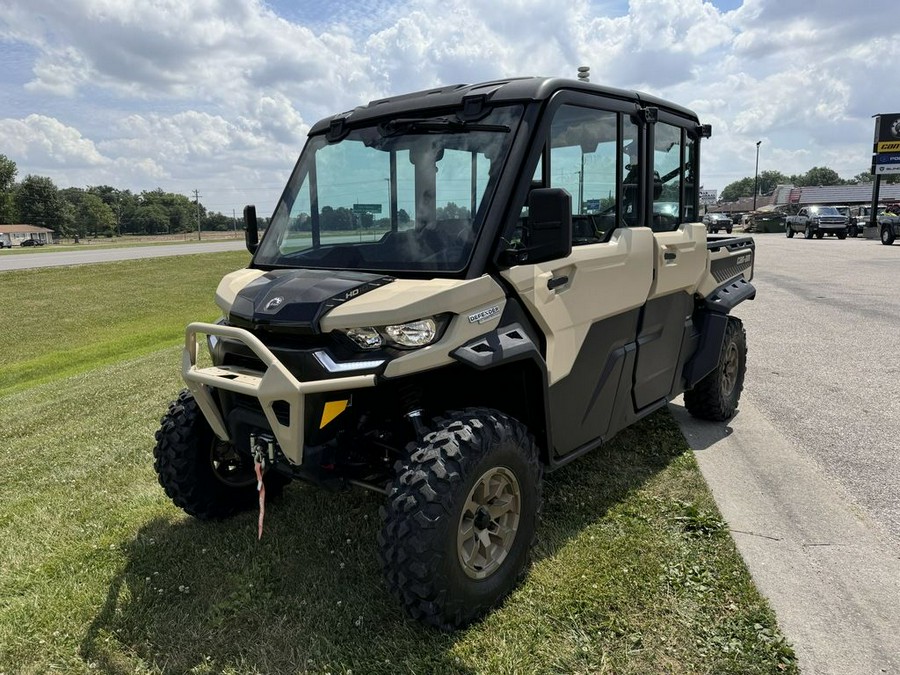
675	189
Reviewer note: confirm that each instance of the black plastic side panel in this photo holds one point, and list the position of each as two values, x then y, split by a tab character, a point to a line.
711	326
516	341
581	404
664	323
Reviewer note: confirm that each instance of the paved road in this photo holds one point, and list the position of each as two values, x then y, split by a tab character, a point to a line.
23	261
807	474
824	360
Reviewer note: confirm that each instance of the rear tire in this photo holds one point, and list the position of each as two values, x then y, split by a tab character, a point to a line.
201	474
461	518
887	235
716	396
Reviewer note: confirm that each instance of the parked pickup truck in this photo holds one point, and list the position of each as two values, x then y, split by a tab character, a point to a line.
817	221
889	225
447	362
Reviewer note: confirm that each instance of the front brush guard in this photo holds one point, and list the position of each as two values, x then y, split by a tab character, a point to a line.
276	383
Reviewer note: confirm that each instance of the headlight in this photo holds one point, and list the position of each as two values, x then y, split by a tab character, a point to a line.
413	334
410	335
365	338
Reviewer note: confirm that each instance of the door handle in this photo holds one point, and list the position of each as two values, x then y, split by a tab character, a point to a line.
556	282
669	255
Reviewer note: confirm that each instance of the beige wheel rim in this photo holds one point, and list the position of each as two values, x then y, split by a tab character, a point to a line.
730	369
488	523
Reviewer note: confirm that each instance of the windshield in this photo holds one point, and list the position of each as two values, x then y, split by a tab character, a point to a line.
408	195
825	211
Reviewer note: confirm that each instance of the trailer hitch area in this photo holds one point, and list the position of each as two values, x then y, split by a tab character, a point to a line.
262	448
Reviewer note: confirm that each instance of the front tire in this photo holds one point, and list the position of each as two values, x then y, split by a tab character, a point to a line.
887	235
789	231
854	231
716	396
461	518
207	478
820	234
841	235
808	234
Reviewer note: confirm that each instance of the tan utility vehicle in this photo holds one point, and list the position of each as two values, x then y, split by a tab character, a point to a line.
432	316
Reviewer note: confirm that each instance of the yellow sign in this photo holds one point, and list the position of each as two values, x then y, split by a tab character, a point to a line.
888	146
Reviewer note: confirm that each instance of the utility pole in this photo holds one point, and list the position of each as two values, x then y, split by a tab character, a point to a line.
756	176
197	199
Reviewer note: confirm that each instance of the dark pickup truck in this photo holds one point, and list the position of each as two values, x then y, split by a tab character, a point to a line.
817	221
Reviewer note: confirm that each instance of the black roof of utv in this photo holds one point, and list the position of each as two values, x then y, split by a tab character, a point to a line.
457	96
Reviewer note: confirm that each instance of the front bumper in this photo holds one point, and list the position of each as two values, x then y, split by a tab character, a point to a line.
275	385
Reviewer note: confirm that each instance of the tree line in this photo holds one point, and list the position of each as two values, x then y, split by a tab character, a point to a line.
769	180
100	210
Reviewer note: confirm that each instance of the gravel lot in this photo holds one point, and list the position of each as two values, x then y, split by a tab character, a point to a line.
823	367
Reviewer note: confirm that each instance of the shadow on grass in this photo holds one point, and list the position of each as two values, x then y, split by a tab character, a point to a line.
207	597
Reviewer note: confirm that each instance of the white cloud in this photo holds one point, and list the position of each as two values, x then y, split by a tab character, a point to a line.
222	92
44	140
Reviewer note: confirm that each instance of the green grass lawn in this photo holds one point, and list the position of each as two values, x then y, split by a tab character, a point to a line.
634	570
63	320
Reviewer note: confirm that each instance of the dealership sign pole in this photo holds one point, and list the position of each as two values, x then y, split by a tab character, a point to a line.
885	156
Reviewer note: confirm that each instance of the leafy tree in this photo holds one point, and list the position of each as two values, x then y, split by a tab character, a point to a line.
769	180
863	177
739	188
818	175
181	211
38	202
94	215
218	221
452	212
151	219
8	171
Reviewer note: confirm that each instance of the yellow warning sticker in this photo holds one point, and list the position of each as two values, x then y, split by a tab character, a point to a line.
888	146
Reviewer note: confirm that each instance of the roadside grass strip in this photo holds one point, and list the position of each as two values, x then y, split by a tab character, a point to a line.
65	320
634	571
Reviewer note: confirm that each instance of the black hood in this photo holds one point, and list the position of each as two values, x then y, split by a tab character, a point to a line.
295	300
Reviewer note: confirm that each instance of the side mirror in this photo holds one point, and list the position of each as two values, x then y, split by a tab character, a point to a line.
547	234
251	228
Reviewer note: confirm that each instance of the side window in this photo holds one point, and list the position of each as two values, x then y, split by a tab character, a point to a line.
668	170
585	159
675	192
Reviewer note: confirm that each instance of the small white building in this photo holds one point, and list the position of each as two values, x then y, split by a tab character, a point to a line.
14	235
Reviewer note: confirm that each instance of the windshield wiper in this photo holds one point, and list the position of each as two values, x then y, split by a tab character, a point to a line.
432	125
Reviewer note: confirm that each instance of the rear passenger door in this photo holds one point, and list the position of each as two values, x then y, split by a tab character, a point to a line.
679	258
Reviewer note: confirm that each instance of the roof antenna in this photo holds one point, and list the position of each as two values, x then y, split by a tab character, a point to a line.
584	73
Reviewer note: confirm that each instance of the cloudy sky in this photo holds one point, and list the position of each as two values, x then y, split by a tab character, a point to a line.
218	95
